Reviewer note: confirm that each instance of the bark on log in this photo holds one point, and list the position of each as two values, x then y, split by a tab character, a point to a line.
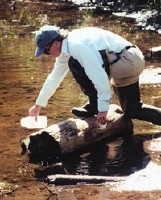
61	179
75	133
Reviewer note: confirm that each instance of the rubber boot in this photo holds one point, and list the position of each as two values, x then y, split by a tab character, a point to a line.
88	110
150	114
129	97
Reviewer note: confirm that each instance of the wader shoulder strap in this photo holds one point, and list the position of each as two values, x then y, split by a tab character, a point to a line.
106	63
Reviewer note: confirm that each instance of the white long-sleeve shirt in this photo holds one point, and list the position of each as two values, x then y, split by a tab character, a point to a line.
84	45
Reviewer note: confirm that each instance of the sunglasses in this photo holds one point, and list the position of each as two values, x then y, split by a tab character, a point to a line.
47	49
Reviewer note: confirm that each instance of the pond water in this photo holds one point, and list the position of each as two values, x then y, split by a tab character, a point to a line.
21	78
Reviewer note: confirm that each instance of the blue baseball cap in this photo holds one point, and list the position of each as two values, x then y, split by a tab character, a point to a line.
44	37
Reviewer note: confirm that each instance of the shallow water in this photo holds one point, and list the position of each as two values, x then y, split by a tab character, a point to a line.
22	76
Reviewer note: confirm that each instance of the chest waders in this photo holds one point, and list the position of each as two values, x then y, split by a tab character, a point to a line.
129	96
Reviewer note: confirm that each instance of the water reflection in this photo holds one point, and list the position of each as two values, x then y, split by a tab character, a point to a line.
120	157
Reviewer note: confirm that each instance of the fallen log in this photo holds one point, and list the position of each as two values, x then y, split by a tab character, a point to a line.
63	179
75	133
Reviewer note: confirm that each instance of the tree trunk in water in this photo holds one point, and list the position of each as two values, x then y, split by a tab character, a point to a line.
75	133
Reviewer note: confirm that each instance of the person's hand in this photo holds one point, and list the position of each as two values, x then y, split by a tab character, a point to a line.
102	118
34	111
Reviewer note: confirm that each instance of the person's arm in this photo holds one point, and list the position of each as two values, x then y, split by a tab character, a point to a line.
51	84
53	80
92	62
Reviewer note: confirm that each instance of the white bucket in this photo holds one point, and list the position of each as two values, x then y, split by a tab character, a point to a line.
30	123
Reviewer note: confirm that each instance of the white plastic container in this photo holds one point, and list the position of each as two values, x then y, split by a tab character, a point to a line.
30	123
102	126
